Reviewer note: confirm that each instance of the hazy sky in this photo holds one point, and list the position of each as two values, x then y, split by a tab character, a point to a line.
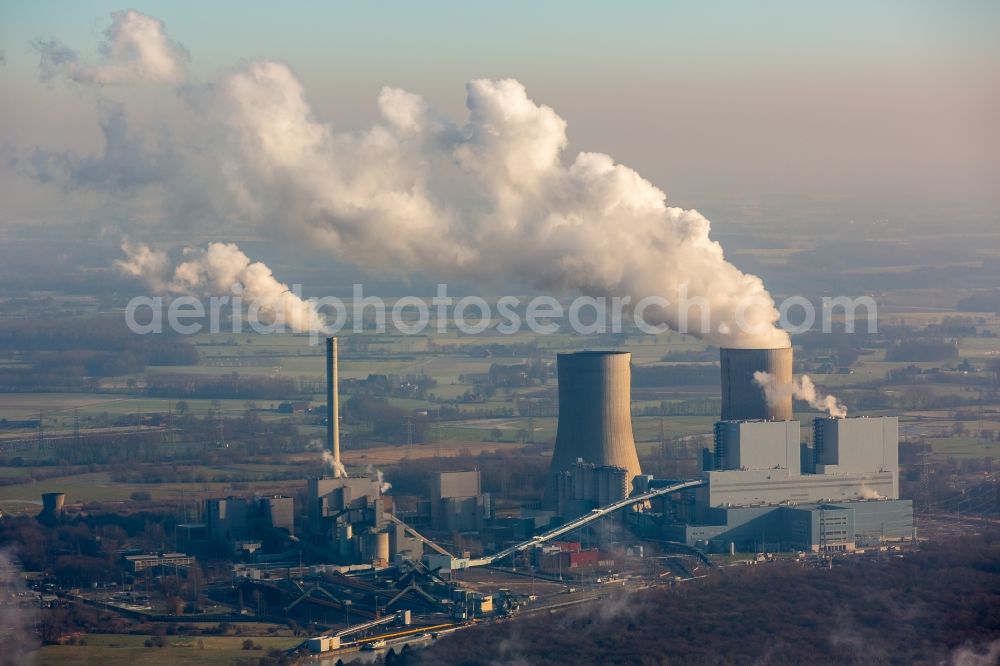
891	105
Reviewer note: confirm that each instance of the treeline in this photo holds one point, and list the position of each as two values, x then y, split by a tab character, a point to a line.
681	374
233	386
81	550
187	438
983	301
70	354
385	421
922	351
692	407
939	605
914	397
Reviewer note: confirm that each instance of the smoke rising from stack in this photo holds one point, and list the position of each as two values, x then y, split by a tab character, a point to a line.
220	269
18	630
384	486
335	466
491	199
802	389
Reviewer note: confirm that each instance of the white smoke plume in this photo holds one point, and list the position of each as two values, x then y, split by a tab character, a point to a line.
217	270
136	48
491	199
18	641
976	655
803	389
870	493
335	466
384	485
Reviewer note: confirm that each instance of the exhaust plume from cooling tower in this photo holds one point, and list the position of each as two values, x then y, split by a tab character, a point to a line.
491	198
802	389
221	269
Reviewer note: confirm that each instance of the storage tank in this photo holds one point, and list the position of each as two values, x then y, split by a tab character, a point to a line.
595	417
742	397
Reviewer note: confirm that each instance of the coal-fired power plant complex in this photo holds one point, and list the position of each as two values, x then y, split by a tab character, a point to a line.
765	484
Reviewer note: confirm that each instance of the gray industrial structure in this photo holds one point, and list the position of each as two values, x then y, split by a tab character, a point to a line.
595	417
767	490
347	516
758	445
233	522
759	496
458	503
743	398
226	518
586	486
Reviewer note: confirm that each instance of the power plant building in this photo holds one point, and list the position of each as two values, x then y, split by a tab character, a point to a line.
857	445
758	445
765	489
758	496
347	516
457	502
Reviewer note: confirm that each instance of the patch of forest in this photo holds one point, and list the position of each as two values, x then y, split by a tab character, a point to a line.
923	608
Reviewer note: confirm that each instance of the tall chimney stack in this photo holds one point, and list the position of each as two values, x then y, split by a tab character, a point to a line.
333	405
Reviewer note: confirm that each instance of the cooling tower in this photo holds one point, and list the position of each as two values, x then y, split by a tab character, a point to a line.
52	503
595	418
52	506
742	397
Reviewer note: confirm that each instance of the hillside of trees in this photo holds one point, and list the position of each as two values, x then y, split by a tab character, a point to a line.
929	607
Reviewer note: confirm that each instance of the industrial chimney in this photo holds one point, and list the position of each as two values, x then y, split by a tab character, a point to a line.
595	417
742	397
333	405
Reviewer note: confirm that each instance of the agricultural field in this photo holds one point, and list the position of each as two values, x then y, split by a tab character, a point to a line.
129	650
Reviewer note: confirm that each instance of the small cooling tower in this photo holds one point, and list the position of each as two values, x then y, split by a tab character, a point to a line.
595	417
52	507
52	503
743	398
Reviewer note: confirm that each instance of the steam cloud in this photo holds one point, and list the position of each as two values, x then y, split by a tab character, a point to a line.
136	48
384	485
490	199
17	631
870	493
220	269
803	389
334	465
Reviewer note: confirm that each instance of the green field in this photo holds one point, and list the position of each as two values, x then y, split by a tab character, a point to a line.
99	487
128	650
